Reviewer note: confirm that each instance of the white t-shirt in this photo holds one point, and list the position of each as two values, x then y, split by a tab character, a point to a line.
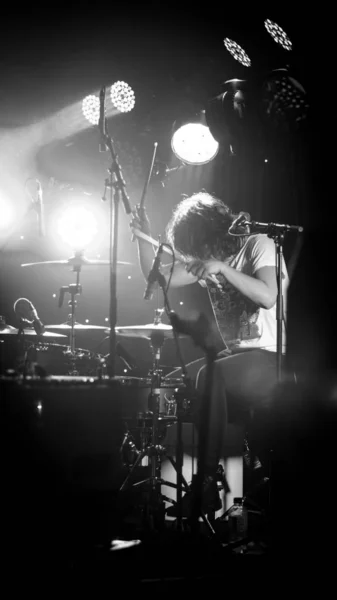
243	324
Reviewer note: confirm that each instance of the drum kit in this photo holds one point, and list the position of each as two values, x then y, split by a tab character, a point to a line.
37	358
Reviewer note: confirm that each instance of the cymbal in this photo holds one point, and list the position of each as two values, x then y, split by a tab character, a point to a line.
9	330
76	262
145	331
78	327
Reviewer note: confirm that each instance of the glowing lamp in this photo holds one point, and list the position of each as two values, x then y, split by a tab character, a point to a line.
76	227
278	34
193	143
237	52
122	96
90	109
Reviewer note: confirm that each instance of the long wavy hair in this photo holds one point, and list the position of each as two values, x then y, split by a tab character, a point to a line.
199	228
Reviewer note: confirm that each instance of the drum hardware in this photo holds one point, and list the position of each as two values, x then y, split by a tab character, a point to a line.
66	326
28	357
152	424
30	332
128	450
75	289
76	262
21	356
202	335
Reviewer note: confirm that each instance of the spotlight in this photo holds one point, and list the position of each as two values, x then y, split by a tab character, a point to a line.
284	98
76	227
237	52
90	109
122	96
226	114
193	143
278	35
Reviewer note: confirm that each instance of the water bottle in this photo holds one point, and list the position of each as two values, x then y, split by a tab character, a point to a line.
237	521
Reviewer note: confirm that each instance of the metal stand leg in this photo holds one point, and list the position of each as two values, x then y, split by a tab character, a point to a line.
154	451
74	289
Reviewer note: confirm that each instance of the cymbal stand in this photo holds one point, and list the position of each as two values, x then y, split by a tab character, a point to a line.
74	289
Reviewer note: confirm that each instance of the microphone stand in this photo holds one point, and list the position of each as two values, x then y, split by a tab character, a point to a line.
277	232
116	184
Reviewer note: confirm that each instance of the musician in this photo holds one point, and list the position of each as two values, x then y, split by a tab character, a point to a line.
244	306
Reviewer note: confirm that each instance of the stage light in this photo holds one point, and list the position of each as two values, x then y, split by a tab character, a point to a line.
193	143
90	109
77	227
122	96
278	35
227	114
237	52
284	99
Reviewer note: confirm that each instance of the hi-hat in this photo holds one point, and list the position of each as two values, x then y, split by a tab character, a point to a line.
144	331
77	262
9	330
77	326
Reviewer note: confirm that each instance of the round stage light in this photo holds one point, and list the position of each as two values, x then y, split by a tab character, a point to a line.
122	96
194	144
77	227
278	34
284	99
90	109
237	52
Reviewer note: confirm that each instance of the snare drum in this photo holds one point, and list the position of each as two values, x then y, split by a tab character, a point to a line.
136	399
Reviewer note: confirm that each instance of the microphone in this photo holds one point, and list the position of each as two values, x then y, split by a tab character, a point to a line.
241	224
153	275
40	209
101	121
27	313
